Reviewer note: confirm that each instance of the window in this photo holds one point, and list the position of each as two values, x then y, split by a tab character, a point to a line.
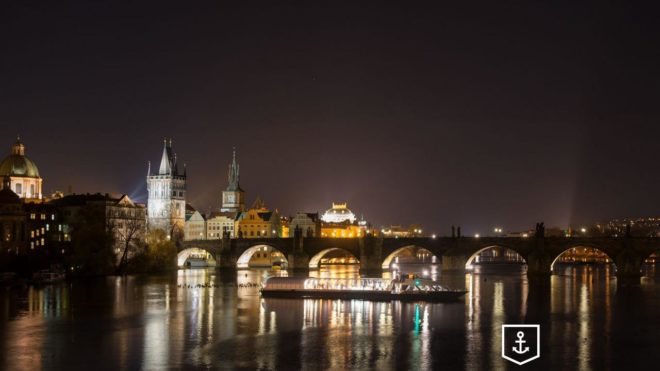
32	245
33	216
19	188
52	216
32	190
48	227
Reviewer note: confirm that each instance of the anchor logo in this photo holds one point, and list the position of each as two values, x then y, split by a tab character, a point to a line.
521	343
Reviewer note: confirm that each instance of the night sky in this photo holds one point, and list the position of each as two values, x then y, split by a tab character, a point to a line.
502	113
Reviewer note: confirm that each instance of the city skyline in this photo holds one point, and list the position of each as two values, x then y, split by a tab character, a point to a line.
442	116
141	196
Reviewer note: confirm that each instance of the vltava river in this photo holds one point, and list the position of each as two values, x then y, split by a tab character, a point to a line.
588	322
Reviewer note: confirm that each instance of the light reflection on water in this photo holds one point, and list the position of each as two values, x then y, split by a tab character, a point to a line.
210	319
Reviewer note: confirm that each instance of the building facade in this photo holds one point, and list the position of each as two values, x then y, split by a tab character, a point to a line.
308	223
340	222
125	219
195	226
258	222
23	173
12	222
219	223
166	205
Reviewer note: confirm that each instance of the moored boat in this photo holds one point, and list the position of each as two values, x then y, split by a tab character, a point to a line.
48	276
377	289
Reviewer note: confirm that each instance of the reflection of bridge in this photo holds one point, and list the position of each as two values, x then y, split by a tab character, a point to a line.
628	253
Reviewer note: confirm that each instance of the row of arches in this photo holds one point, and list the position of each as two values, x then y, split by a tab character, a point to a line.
268	256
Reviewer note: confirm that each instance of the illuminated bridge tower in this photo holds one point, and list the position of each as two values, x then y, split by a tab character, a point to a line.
233	197
166	205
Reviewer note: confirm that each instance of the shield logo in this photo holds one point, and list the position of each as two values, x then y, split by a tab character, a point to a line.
521	343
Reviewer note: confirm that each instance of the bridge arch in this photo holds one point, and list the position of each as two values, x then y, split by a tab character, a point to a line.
593	253
413	250
194	252
469	264
243	261
315	261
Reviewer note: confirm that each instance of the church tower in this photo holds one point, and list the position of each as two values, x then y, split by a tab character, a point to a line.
233	198
166	205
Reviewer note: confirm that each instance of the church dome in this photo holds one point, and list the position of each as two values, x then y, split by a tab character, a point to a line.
339	213
17	164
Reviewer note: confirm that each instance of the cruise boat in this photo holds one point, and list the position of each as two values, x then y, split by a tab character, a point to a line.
410	288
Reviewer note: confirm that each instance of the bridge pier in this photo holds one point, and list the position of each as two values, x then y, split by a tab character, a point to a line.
628	267
298	261
454	262
539	264
371	256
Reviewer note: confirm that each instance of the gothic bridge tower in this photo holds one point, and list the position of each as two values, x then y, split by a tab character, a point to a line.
166	205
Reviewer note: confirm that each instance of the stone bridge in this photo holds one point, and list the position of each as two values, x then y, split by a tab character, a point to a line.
627	253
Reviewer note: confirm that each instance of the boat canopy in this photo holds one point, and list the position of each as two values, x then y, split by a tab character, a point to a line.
312	283
285	283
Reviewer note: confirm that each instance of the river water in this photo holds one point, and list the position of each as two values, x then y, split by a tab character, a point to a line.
588	322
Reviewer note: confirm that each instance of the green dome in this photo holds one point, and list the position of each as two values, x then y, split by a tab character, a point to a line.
17	165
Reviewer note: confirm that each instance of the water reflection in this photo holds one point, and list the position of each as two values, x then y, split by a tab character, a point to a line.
205	319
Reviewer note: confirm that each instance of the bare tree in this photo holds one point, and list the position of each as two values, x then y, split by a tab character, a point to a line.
127	231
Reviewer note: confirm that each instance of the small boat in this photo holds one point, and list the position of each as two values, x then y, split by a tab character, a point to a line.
47	276
411	288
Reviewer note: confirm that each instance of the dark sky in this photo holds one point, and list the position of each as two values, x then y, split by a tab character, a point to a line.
501	113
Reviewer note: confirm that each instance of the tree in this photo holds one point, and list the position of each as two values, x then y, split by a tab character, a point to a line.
161	252
128	232
92	243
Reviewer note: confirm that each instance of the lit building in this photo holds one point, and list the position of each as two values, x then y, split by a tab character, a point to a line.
166	205
195	228
233	197
339	213
396	231
308	223
258	222
339	221
284	227
22	172
219	222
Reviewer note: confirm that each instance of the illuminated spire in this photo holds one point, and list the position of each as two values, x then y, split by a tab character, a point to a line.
165	160
233	174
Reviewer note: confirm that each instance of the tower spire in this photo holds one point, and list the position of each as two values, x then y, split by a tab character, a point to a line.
165	164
